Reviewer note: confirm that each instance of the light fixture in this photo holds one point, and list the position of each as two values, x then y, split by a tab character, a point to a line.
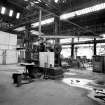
64	1
47	21
18	15
56	1
3	9
36	32
103	35
67	15
10	13
35	24
83	11
20	28
38	1
72	14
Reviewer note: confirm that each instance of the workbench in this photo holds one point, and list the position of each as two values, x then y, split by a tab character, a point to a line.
30	69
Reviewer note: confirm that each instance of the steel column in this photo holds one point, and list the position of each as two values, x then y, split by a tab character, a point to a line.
72	48
95	49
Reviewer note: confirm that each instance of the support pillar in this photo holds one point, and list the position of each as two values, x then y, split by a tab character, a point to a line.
76	50
28	43
95	49
56	28
72	48
40	17
56	32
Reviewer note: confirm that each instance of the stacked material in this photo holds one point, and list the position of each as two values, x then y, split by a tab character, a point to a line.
8	44
55	73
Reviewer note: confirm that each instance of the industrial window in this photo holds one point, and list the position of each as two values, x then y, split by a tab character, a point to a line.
3	10
11	13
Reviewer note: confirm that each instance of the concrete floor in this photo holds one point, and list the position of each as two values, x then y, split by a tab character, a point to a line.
44	92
